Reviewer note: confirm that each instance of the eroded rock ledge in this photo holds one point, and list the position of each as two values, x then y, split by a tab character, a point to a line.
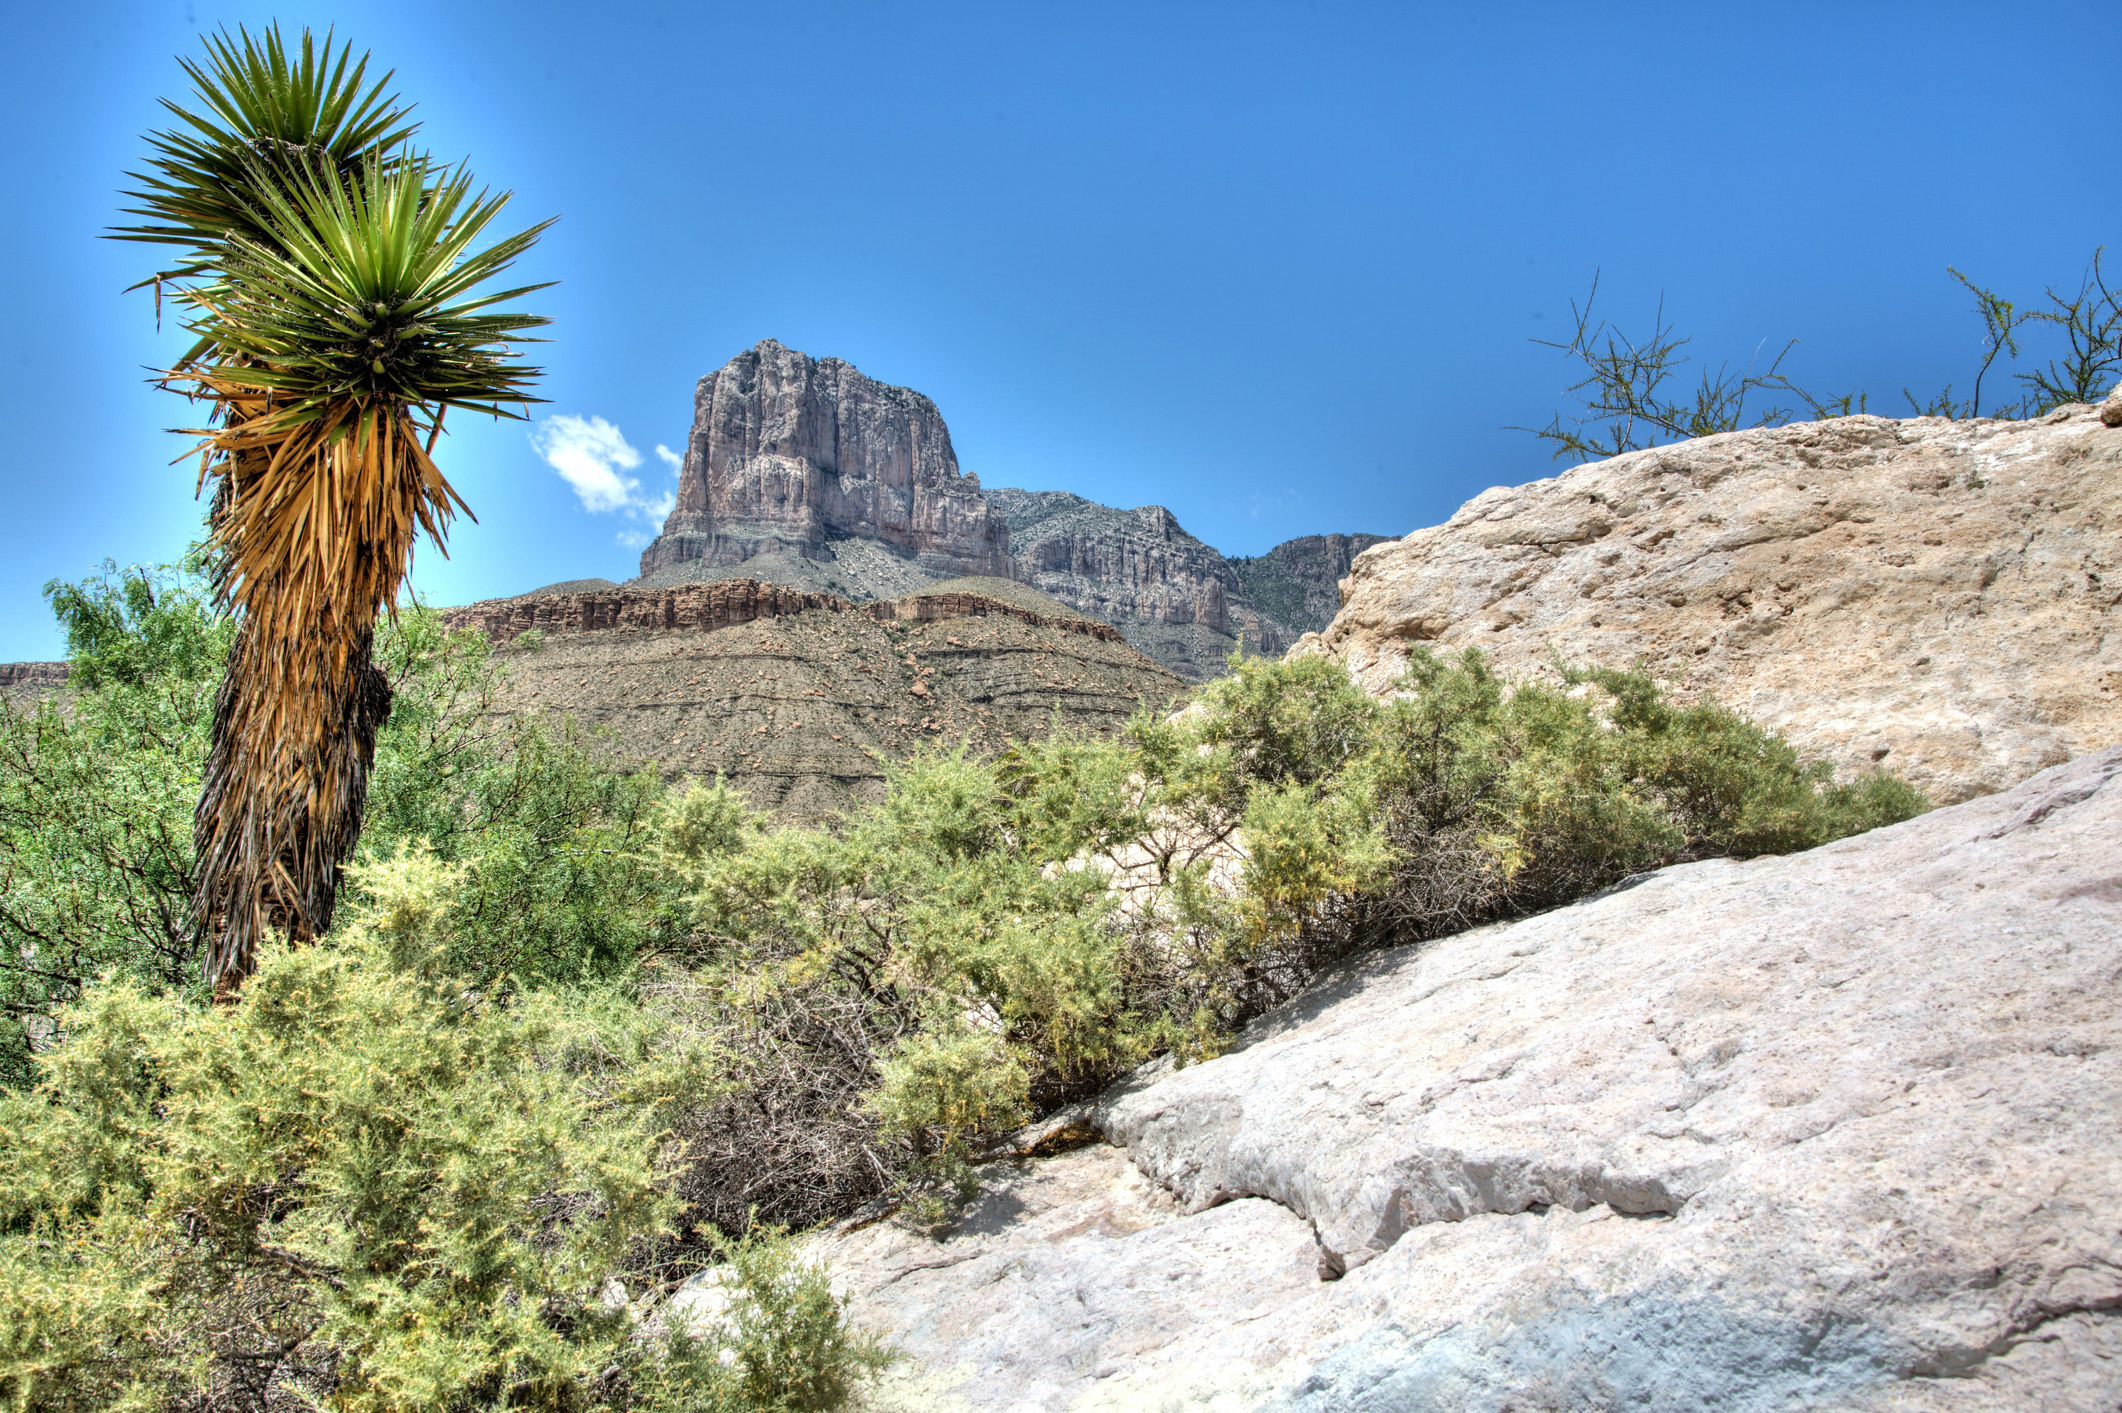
1835	1130
725	603
1936	597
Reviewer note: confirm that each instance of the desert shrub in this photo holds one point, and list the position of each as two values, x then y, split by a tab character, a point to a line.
1633	392
1004	936
98	785
816	954
994	939
369	1184
937	1091
96	796
1501	800
772	1340
551	824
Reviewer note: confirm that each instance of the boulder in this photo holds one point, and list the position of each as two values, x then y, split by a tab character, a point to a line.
1931	596
1832	1130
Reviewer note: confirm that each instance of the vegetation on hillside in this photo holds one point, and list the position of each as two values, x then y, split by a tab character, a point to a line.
578	1037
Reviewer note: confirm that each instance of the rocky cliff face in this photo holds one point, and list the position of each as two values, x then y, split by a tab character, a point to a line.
40	675
803	472
789	453
1173	596
1834	1130
1935	597
1176	598
1297	584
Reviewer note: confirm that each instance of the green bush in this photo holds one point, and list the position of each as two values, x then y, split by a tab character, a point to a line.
96	796
1006	935
577	1027
367	1184
97	788
777	1343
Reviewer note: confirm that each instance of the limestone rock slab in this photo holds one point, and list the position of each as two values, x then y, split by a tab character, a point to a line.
1936	597
1835	1130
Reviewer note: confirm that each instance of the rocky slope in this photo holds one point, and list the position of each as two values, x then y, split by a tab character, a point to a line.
1834	1130
801	698
1297	584
1176	598
1932	596
789	453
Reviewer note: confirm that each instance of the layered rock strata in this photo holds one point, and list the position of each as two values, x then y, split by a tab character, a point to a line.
1935	597
789	453
702	608
1833	1130
936	607
39	675
803	700
1176	598
1116	564
688	608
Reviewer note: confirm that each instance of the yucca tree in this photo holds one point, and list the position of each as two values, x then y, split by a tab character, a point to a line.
332	278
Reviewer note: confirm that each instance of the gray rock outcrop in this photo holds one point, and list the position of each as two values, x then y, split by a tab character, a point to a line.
1932	596
1177	599
1173	596
802	472
1833	1130
1297	584
789	453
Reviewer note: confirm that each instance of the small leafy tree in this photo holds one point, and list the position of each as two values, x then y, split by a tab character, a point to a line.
98	786
96	796
1628	399
2001	322
2091	322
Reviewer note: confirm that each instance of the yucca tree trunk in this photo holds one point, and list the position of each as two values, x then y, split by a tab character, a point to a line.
279	815
333	286
301	701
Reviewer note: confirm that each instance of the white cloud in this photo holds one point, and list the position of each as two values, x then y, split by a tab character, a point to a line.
589	453
593	457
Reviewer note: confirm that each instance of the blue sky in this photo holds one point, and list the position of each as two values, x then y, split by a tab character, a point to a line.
1274	266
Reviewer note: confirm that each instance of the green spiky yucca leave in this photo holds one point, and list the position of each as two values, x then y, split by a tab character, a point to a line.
369	290
265	113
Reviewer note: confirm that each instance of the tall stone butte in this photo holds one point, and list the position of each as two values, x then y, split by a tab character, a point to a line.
789	453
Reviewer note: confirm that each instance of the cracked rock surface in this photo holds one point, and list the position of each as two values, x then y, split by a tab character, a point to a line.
1835	1130
1933	596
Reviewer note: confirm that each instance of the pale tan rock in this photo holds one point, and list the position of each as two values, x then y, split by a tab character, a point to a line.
2111	409
1935	597
1830	1131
